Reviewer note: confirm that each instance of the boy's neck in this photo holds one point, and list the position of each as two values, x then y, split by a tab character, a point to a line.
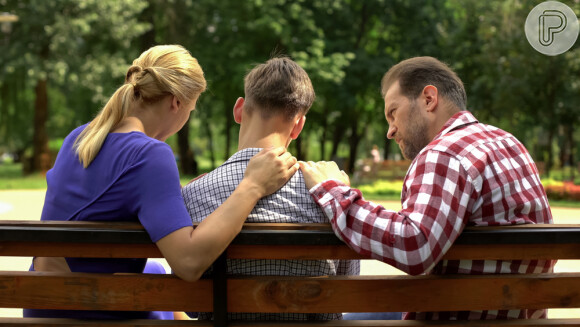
256	132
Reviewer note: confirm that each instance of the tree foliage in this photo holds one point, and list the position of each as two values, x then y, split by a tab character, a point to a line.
82	48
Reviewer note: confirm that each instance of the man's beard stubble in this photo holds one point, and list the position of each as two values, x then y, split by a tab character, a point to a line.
417	138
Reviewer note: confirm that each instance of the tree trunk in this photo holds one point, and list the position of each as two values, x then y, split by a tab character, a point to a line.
387	149
147	40
354	141
570	159
228	128
324	136
40	155
209	135
564	148
186	155
188	164
298	145
336	137
550	149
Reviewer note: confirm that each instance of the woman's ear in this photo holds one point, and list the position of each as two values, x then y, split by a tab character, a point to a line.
175	104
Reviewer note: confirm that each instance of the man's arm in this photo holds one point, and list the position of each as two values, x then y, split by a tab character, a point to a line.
435	201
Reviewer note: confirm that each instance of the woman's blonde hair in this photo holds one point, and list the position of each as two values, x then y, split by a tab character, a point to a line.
160	71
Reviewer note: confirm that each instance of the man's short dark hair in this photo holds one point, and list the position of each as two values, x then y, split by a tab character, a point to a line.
415	73
279	86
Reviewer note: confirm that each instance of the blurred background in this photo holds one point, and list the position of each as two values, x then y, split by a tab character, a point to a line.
60	60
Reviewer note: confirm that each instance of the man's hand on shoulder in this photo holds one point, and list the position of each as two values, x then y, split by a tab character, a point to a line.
317	172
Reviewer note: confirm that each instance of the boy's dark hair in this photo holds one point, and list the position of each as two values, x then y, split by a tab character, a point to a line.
278	86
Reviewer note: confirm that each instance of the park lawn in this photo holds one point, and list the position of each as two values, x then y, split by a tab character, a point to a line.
11	178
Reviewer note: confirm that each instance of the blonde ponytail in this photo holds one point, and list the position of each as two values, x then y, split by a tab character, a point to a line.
89	142
160	71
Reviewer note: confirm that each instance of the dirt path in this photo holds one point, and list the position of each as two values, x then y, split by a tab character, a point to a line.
27	205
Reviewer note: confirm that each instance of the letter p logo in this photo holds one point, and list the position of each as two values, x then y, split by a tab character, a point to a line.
552	28
551	22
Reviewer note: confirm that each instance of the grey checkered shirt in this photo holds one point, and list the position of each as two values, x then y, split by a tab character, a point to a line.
291	204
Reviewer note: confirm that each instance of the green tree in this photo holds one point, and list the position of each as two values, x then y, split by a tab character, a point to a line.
74	46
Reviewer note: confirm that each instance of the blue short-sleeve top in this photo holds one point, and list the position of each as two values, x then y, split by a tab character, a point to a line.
133	178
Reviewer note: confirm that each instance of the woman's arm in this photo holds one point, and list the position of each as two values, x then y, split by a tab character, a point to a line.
190	252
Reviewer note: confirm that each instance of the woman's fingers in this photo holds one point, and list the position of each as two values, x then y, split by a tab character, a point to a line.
271	168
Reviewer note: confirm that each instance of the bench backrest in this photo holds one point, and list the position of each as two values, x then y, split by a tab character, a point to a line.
283	294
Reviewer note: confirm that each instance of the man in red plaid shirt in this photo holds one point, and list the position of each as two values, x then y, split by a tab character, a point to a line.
464	173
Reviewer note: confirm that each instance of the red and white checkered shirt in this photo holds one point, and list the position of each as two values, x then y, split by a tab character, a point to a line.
470	174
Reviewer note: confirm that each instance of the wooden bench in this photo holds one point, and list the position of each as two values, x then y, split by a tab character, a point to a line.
224	293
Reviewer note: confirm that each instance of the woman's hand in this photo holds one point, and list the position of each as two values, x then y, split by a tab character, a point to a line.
270	169
316	172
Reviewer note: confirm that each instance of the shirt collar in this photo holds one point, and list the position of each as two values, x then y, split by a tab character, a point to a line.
459	120
242	155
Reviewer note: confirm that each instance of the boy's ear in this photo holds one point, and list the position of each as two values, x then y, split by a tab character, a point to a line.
298	125
238	109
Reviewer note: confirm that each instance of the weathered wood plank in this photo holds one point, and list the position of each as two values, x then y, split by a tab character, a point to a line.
457	251
54	322
42	322
80	291
269	234
403	293
34	322
290	294
79	250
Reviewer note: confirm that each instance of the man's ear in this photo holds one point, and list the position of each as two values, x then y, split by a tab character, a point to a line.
238	110
430	97
298	125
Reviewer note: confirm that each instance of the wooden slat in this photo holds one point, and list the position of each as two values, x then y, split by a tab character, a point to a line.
414	323
247	226
80	291
403	293
77	291
418	323
458	251
73	224
54	322
137	226
45	322
79	250
33	322
513	251
305	252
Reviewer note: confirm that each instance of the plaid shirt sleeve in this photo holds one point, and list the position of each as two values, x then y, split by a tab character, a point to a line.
435	199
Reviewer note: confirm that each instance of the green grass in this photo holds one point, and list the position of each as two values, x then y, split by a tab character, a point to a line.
391	190
11	178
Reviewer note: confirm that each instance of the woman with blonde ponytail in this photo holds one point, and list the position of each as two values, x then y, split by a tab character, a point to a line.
118	168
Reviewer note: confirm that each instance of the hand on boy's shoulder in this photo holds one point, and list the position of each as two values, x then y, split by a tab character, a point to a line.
317	172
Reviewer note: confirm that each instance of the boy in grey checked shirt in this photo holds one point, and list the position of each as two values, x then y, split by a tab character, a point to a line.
278	94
